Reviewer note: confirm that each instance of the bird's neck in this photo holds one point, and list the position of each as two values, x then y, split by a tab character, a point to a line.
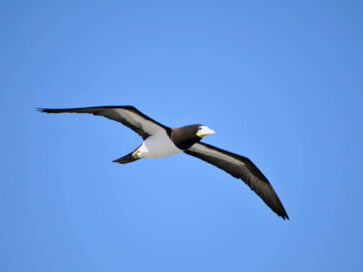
182	139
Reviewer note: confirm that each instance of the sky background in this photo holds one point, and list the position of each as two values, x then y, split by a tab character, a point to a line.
280	82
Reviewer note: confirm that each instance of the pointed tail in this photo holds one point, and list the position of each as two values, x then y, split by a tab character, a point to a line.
128	158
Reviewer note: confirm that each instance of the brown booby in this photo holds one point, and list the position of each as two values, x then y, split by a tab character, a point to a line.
160	141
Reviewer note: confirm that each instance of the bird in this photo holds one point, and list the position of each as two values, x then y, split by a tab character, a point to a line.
160	141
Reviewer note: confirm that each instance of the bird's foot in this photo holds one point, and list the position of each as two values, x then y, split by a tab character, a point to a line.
135	154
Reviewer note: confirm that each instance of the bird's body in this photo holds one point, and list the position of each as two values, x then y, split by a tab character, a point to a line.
157	146
160	141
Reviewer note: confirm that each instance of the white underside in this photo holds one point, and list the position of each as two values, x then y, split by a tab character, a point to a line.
157	146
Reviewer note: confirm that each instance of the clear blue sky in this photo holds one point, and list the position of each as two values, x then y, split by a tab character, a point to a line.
280	82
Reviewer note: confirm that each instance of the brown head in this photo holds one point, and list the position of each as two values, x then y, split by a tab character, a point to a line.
185	137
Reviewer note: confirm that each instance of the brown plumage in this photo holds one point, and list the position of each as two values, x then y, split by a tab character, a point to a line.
184	139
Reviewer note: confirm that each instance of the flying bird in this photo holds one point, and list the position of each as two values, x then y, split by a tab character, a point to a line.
160	141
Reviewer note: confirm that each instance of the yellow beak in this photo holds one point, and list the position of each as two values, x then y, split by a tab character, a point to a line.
204	131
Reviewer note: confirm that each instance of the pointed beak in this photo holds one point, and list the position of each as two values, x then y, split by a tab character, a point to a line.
205	131
209	131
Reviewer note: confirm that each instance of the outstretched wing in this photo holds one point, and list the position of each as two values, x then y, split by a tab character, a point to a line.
242	168
127	115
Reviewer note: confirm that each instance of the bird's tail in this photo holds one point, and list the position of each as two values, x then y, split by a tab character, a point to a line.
131	157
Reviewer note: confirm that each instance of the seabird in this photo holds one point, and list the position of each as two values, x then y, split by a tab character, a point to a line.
160	141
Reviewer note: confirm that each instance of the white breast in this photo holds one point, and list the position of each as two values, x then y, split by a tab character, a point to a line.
157	146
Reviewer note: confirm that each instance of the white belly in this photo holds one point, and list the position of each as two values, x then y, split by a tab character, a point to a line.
157	146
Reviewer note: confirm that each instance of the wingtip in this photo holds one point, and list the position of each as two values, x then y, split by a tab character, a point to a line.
46	110
43	110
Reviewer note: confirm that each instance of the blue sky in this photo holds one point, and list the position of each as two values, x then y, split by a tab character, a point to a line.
280	82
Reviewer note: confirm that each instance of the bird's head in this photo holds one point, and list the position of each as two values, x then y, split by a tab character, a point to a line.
185	137
202	131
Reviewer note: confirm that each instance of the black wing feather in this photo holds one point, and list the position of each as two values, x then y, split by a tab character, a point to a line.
110	112
245	170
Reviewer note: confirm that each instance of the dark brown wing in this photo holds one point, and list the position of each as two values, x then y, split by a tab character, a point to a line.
242	168
127	115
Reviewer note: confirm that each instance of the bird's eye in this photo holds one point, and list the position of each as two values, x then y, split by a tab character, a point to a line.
200	128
